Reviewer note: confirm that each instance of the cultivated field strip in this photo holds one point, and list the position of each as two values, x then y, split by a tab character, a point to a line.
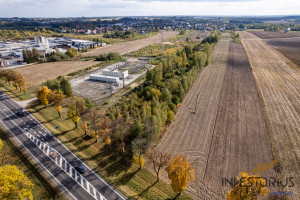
279	85
240	140
191	134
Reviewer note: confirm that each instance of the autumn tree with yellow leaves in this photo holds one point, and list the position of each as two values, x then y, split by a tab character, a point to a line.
76	108
249	187
84	126
13	76
139	147
13	183
181	173
43	95
57	97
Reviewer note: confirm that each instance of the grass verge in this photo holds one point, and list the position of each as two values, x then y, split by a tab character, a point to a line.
18	95
111	166
41	189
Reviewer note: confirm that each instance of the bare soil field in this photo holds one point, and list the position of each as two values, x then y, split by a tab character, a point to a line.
128	47
240	141
278	82
227	134
191	134
193	36
39	73
278	34
290	47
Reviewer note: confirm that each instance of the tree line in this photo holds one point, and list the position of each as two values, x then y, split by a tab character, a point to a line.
14	78
131	126
34	55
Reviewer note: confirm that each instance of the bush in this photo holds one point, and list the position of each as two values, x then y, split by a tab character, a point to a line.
71	52
109	56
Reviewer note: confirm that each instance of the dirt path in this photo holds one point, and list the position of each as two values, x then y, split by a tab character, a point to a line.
128	47
278	81
191	134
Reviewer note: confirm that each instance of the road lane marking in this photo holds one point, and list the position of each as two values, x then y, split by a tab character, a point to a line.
35	157
103	181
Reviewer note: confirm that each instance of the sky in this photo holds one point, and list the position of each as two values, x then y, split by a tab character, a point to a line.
101	8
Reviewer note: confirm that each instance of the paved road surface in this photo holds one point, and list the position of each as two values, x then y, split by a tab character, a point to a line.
17	125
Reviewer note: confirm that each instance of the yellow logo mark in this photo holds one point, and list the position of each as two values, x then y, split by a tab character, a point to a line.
261	167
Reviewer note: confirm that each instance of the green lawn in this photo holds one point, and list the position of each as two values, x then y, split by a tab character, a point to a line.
97	155
41	189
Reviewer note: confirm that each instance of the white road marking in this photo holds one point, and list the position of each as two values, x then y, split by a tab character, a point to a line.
73	155
36	158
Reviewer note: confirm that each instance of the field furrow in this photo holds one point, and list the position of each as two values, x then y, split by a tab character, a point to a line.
191	134
278	81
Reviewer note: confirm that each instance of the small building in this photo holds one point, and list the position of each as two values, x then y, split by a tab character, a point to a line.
287	30
82	43
103	78
115	73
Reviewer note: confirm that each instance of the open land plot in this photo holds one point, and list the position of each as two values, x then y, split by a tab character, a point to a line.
128	47
290	47
39	73
278	82
273	34
240	140
227	134
190	134
193	36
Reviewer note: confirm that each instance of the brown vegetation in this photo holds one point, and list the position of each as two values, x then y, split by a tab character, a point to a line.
278	82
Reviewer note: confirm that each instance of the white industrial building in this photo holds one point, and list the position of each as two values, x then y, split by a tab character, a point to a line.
82	43
103	78
115	73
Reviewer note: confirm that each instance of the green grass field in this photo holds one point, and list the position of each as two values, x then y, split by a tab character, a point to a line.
134	184
41	189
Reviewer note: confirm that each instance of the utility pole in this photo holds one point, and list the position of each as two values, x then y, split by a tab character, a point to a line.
196	103
123	80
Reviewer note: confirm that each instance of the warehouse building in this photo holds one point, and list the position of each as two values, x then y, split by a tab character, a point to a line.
103	78
115	73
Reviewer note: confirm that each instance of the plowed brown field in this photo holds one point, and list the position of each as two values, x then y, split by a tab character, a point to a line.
227	134
273	34
278	81
36	74
128	47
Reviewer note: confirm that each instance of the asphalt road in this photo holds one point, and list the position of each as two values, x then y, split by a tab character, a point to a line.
17	125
